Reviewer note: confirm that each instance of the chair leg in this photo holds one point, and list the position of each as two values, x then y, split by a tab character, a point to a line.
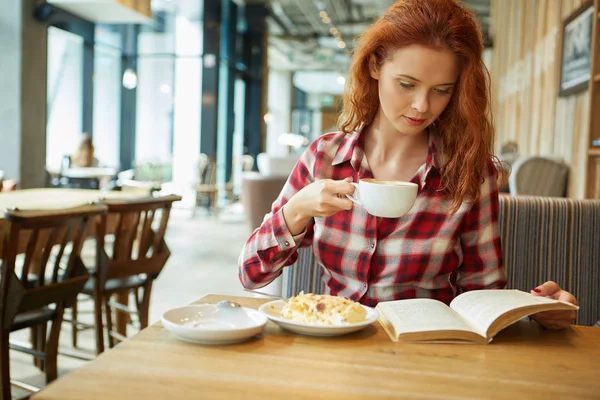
4	365
34	345
42	331
74	328
213	201
122	318
109	327
136	295
99	325
51	365
144	307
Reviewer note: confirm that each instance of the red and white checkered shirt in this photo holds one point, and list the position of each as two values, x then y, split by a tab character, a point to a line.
425	253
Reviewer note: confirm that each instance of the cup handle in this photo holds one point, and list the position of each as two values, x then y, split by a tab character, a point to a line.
356	194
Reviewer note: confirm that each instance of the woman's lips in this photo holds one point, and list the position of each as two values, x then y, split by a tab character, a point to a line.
414	121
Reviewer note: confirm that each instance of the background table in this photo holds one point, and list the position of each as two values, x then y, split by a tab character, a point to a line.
89	172
524	361
55	199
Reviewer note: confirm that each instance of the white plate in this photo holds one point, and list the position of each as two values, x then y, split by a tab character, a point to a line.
272	310
209	324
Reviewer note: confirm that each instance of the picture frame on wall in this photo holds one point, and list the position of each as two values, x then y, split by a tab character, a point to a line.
576	51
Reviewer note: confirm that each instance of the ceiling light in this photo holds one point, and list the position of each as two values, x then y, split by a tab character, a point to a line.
323	14
333	30
341	80
342	45
326	20
129	79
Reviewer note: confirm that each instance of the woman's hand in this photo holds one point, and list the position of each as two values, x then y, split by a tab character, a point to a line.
322	198
554	320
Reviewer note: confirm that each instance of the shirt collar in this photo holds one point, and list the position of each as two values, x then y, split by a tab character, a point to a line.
345	150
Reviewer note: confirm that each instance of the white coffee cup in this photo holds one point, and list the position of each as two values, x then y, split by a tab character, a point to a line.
388	199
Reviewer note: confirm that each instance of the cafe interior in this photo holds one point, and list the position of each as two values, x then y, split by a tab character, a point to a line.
143	141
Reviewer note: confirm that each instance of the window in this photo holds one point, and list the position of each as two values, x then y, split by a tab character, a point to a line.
65	95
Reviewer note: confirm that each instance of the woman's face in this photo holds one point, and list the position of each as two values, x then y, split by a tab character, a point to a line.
415	86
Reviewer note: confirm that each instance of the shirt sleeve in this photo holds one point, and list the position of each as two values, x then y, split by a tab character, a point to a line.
271	246
480	240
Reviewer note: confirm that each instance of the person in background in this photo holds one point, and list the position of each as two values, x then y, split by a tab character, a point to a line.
416	108
84	155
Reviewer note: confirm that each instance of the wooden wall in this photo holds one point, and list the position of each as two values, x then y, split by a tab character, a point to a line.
525	73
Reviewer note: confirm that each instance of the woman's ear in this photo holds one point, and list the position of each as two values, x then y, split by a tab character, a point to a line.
373	67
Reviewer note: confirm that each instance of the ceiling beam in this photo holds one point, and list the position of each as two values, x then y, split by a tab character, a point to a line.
281	18
310	13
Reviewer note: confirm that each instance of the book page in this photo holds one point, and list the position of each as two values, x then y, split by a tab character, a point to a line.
422	315
482	307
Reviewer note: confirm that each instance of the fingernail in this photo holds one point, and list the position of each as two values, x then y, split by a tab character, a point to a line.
537	290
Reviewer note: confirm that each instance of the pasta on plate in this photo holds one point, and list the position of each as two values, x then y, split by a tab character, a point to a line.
324	310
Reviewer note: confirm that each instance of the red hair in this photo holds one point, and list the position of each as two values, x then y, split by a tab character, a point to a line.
465	126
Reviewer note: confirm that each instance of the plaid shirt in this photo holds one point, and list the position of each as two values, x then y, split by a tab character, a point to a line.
425	253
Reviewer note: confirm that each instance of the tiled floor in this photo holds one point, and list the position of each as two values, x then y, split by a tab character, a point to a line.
204	260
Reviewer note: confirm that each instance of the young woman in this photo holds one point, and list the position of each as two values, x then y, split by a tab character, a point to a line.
416	108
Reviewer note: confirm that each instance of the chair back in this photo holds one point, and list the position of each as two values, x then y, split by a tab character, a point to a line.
50	271
558	239
543	238
258	194
139	244
539	176
206	170
304	276
247	162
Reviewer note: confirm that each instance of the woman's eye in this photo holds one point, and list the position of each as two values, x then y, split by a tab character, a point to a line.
406	85
443	91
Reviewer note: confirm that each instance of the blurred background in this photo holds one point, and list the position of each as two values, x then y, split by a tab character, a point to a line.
214	101
160	86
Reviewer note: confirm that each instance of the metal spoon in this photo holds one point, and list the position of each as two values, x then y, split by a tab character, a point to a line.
228	304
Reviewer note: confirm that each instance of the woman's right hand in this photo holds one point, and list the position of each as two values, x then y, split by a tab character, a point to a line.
322	198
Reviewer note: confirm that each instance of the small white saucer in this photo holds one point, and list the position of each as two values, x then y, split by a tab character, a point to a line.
209	324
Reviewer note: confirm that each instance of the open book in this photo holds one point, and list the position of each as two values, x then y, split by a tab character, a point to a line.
475	316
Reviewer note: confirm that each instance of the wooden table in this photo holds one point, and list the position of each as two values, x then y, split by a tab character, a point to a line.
54	199
524	361
89	172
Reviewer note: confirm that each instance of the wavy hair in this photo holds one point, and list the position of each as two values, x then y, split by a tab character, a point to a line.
465	126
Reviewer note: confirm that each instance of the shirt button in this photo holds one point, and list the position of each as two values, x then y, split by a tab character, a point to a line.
364	285
372	245
287	243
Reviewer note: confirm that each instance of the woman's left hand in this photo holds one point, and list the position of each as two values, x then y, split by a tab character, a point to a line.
554	320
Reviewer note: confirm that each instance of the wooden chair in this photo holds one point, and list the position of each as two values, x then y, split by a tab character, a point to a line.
206	187
245	163
36	291
128	265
